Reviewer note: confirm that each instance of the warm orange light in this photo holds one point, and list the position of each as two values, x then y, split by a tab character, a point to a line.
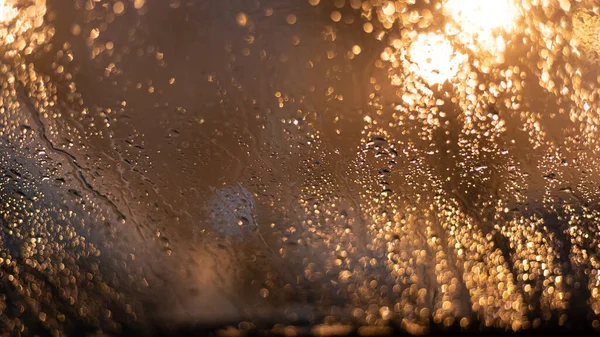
18	17
7	11
434	59
479	24
477	16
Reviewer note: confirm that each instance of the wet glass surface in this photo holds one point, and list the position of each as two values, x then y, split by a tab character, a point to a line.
293	166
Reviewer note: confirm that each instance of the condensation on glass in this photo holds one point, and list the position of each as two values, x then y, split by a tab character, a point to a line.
299	165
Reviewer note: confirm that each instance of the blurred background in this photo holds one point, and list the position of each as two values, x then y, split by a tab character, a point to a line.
298	167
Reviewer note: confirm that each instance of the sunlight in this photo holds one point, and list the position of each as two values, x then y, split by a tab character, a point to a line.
479	24
476	16
7	11
434	59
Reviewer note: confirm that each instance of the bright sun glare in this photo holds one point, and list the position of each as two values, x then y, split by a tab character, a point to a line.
434	59
476	16
477	24
7	11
